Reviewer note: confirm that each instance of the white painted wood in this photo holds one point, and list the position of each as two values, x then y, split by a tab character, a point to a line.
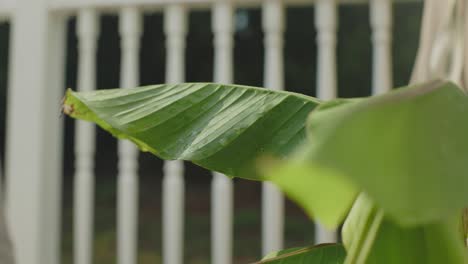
222	219
222	186
6	250
175	28
206	4
272	199
272	218
381	24
34	132
326	21
6	247
87	31
53	186
6	9
326	24
130	29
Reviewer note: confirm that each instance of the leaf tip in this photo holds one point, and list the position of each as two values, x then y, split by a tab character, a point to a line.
68	108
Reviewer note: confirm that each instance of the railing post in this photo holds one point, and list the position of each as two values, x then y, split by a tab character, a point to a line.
34	132
326	23
6	248
127	199
175	28
272	198
222	186
87	32
381	23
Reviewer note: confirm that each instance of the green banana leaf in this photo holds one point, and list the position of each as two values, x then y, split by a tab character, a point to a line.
319	254
220	127
371	238
410	142
408	150
225	128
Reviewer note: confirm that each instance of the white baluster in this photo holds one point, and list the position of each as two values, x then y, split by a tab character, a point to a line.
272	199
127	219
222	186
175	28
381	23
326	23
34	172
88	31
54	187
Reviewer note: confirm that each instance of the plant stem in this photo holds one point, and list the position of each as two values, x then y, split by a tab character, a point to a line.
360	249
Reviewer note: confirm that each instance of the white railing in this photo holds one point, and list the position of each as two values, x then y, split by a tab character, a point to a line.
87	31
130	29
175	28
222	187
326	20
34	132
272	200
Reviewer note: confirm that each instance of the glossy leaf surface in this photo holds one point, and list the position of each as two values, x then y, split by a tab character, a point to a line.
220	127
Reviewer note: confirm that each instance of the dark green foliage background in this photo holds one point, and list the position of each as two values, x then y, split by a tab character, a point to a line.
354	55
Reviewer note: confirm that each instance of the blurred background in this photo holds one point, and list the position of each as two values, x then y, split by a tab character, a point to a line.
354	79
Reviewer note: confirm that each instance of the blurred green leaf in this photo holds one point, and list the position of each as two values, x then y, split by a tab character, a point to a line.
319	254
323	193
371	238
433	243
360	229
407	149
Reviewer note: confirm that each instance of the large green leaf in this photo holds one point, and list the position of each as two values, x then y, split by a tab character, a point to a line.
408	149
223	128
319	254
371	239
220	127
